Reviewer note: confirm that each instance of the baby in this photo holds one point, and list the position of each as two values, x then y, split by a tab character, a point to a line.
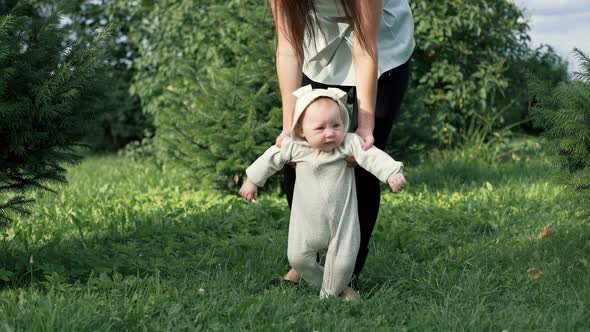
324	210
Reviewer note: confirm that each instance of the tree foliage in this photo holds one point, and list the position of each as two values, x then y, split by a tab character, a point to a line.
119	115
562	111
42	80
463	50
206	75
546	65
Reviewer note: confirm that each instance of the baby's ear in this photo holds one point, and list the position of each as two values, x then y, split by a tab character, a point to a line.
299	130
302	91
340	94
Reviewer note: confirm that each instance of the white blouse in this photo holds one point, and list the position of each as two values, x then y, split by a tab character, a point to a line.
329	61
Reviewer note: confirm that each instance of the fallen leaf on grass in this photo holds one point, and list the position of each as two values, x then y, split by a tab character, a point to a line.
412	220
548	231
535	273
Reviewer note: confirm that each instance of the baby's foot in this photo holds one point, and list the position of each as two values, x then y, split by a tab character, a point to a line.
350	295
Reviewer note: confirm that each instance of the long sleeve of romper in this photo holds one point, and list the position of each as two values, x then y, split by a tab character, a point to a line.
374	160
270	162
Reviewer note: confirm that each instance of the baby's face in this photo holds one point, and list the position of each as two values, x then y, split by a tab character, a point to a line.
322	126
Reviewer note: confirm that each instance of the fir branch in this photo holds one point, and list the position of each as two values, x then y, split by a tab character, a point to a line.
584	60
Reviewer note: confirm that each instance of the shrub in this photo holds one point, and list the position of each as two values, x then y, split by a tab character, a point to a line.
206	75
547	65
41	84
120	119
463	49
562	111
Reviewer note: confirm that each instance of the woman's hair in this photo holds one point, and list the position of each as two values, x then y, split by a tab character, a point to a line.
297	19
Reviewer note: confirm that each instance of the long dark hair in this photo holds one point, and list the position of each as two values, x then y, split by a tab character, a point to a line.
297	21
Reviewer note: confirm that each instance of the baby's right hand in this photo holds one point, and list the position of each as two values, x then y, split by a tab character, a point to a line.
397	182
249	191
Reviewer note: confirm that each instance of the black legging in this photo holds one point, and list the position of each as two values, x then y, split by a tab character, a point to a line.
391	88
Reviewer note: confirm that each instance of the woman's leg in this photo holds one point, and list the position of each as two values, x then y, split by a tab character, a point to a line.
391	88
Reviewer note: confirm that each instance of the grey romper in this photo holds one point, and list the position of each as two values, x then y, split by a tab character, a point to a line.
324	210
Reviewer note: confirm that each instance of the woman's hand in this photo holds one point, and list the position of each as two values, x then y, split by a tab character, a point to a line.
282	135
367	136
279	143
365	60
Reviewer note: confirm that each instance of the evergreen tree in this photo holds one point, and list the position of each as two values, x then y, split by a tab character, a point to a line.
119	115
119	118
548	66
563	112
206	74
42	79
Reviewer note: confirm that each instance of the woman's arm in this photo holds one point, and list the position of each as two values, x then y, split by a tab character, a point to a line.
289	69
365	68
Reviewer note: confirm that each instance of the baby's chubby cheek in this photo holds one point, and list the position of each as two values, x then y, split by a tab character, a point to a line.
339	139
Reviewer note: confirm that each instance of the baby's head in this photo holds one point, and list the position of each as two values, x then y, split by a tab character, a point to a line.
320	117
322	124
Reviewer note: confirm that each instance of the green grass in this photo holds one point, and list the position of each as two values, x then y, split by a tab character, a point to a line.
126	246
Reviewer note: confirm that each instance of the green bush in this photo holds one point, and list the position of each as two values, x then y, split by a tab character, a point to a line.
120	119
562	111
206	75
463	50
42	80
546	65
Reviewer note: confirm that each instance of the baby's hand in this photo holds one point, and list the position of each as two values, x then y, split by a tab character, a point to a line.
249	191
397	182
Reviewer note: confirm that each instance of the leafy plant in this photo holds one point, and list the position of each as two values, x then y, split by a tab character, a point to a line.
206	75
120	119
562	111
546	65
463	50
41	85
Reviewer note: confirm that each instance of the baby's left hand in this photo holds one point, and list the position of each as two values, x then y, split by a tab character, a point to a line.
249	191
397	182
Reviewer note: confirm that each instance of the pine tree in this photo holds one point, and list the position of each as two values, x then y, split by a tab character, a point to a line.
42	78
206	75
120	118
563	113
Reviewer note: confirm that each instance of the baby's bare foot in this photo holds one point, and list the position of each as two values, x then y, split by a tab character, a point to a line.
350	295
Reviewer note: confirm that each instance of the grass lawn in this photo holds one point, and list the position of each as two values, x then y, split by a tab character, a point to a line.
127	246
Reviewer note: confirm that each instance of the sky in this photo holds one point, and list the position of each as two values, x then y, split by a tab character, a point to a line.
563	24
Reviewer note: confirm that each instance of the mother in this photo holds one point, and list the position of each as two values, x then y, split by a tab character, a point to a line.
363	45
